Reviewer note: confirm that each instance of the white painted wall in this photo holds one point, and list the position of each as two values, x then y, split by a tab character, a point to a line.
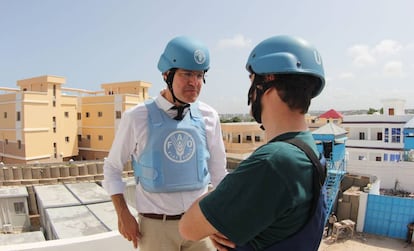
99	242
387	172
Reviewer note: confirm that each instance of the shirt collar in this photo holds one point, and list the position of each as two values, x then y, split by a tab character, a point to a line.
163	103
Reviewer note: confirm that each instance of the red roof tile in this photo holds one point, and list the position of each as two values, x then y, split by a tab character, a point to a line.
331	114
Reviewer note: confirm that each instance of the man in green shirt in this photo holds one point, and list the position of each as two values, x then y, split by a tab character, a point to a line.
270	202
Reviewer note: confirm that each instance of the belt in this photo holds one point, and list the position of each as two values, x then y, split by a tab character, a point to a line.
162	216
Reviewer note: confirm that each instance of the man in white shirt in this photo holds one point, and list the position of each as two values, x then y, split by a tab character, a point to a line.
176	147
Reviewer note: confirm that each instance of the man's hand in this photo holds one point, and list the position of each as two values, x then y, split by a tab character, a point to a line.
127	224
221	242
129	228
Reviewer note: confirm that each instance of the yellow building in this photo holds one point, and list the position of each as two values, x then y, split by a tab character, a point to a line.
242	137
99	116
43	122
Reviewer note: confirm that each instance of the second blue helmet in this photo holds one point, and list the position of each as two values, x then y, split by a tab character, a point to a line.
185	53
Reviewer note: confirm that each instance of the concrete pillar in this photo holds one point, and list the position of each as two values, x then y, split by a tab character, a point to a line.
91	168
99	167
83	169
73	170
64	171
36	172
27	173
8	173
45	172
54	172
32	201
2	173
17	173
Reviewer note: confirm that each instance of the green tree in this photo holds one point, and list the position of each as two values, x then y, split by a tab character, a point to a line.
372	111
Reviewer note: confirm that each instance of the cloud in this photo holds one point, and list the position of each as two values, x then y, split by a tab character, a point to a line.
387	48
346	75
238	41
361	55
364	55
393	69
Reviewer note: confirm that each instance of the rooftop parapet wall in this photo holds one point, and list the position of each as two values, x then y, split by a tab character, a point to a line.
14	175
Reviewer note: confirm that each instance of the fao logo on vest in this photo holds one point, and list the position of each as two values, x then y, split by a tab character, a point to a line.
179	146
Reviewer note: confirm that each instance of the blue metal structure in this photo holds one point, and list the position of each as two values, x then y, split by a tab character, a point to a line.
330	140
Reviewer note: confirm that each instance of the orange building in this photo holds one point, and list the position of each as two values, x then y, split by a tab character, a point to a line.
43	122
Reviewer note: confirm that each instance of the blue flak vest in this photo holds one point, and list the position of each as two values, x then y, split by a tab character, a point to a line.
176	154
308	238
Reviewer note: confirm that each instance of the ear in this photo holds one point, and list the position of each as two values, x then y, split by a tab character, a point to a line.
269	77
164	75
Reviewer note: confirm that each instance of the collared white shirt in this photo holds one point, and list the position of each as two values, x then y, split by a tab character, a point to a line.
131	138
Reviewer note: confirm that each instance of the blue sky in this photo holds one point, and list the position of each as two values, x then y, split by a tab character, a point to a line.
367	46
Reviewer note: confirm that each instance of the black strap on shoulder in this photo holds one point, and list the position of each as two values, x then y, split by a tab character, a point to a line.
320	170
319	175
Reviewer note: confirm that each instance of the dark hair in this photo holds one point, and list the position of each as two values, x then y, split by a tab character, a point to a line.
296	90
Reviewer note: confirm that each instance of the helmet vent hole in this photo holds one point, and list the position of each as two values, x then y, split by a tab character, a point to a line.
174	60
298	64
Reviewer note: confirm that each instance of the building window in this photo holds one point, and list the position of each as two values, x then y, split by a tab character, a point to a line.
5	115
379	136
361	136
118	114
88	137
385	157
67	139
6	141
396	135
248	138
378	158
79	116
100	114
19	144
87	114
386	135
79	138
395	157
54	103
100	137
54	123
257	138
18	116
66	114
19	208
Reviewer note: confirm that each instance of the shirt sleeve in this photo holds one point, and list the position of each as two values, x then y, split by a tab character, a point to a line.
123	146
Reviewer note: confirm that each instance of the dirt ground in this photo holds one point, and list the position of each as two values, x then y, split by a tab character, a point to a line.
364	242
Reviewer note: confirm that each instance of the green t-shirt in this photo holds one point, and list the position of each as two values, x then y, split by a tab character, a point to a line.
267	198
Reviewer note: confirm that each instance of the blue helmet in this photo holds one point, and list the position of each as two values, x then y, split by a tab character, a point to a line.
185	53
286	55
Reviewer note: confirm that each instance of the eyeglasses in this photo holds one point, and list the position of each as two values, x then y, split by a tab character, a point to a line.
188	75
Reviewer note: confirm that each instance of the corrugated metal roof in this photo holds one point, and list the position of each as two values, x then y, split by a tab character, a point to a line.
330	129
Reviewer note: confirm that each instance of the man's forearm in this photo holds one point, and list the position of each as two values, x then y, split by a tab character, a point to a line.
193	225
120	204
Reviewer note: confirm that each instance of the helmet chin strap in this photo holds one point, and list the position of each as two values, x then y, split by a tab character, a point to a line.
169	81
258	88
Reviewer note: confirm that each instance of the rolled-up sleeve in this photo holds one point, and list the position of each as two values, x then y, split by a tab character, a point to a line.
123	146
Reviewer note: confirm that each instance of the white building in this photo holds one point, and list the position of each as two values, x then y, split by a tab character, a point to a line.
377	137
14	213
